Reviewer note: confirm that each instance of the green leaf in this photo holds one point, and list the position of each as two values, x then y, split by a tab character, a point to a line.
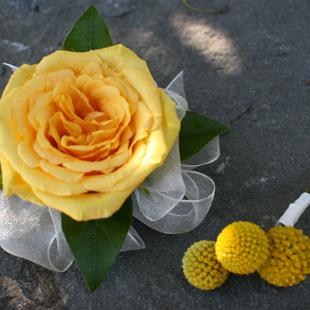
88	33
196	132
96	244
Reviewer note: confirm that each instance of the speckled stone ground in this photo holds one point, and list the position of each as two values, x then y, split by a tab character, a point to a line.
248	68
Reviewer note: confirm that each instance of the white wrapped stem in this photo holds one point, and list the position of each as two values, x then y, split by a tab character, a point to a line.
295	210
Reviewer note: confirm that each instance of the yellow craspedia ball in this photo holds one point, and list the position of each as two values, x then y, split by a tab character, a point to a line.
289	263
200	267
242	247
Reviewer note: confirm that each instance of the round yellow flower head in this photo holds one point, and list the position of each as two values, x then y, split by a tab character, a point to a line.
200	267
290	257
242	247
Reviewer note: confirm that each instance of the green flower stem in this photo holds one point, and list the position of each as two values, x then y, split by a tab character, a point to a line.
222	10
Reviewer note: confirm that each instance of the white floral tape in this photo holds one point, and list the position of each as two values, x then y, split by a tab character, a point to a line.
173	199
295	210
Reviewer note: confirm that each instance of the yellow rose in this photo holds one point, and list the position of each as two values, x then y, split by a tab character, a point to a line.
80	131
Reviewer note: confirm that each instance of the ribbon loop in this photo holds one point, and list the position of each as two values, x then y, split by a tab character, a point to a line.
35	233
190	211
30	232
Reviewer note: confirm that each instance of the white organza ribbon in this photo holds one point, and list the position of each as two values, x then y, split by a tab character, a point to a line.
174	199
35	233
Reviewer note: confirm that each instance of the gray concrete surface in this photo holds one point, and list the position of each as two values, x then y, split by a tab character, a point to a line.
249	68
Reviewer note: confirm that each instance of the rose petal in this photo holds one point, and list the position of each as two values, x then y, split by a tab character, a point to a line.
58	76
60	173
28	155
86	207
36	103
14	184
20	76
